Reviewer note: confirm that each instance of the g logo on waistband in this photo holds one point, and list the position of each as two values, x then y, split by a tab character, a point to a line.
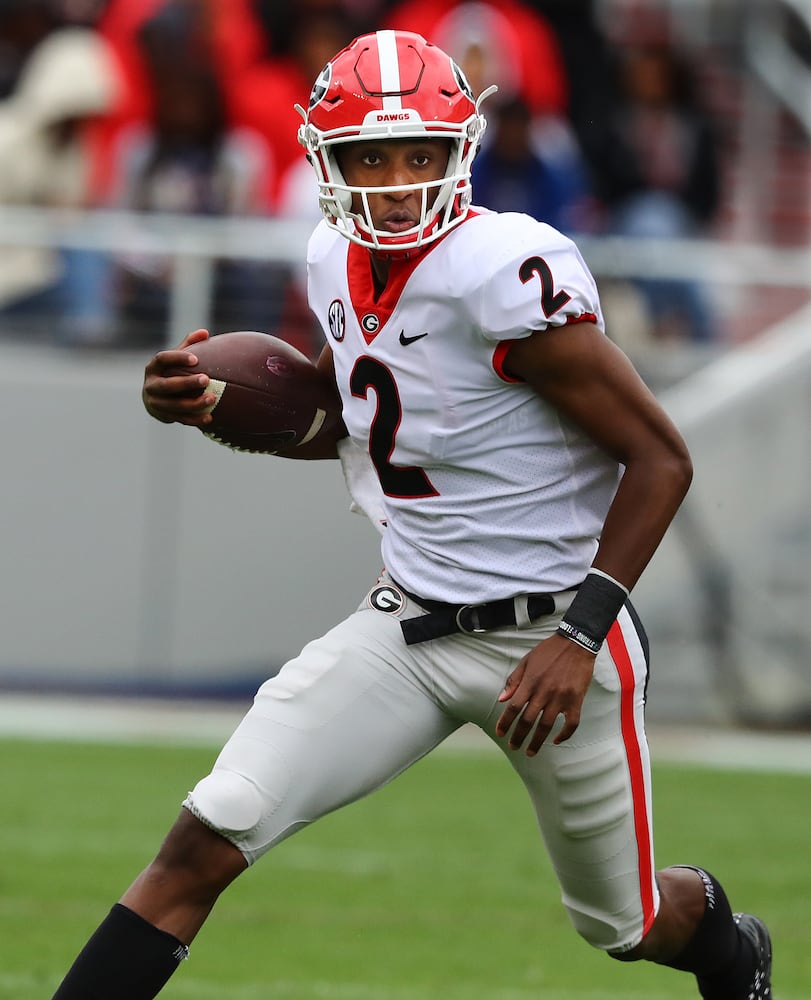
386	598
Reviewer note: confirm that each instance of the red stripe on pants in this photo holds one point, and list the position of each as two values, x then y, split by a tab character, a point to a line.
628	683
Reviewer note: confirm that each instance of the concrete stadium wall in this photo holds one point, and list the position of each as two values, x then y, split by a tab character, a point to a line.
145	556
727	597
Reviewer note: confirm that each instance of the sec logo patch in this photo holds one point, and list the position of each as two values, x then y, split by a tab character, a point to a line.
336	317
386	598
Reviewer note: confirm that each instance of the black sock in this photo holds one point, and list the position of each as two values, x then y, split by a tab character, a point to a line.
125	959
721	958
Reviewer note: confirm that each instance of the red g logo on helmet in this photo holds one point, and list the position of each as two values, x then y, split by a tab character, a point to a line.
461	79
321	85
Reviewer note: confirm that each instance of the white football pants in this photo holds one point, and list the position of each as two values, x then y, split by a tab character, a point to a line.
358	706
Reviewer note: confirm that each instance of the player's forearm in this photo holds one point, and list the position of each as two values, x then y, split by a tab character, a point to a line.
645	503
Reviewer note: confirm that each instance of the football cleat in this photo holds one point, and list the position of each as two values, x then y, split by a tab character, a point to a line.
754	929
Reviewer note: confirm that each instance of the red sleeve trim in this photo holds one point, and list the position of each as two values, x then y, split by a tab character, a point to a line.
499	357
503	348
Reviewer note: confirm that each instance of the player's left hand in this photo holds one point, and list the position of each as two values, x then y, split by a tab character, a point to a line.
549	681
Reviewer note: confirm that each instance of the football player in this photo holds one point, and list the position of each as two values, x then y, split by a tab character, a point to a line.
524	478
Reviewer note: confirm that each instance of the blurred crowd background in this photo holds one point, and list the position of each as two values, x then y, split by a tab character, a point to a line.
614	118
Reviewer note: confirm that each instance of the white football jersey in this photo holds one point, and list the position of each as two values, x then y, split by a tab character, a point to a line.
488	491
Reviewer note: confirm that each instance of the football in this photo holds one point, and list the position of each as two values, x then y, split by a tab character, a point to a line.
270	397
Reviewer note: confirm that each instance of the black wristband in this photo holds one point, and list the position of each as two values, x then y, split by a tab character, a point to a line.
593	611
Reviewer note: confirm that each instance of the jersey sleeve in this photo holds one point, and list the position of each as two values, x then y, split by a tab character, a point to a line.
534	277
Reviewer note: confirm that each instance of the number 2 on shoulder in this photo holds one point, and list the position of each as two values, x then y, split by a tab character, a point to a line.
550	300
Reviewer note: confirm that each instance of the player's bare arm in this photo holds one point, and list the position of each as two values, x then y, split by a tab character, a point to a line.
590	381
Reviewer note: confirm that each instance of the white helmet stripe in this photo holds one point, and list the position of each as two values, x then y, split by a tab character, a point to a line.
389	69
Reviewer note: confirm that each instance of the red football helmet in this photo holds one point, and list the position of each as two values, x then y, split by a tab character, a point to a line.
396	85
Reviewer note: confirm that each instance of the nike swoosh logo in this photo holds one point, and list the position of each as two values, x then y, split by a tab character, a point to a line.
405	341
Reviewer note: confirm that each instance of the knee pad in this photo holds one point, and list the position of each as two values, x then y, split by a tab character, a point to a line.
226	801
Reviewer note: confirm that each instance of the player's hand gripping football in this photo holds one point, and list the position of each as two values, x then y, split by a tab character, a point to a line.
549	681
178	398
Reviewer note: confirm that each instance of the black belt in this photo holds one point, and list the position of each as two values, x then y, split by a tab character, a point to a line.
448	619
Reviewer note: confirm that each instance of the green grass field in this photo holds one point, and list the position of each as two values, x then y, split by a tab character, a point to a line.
436	887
